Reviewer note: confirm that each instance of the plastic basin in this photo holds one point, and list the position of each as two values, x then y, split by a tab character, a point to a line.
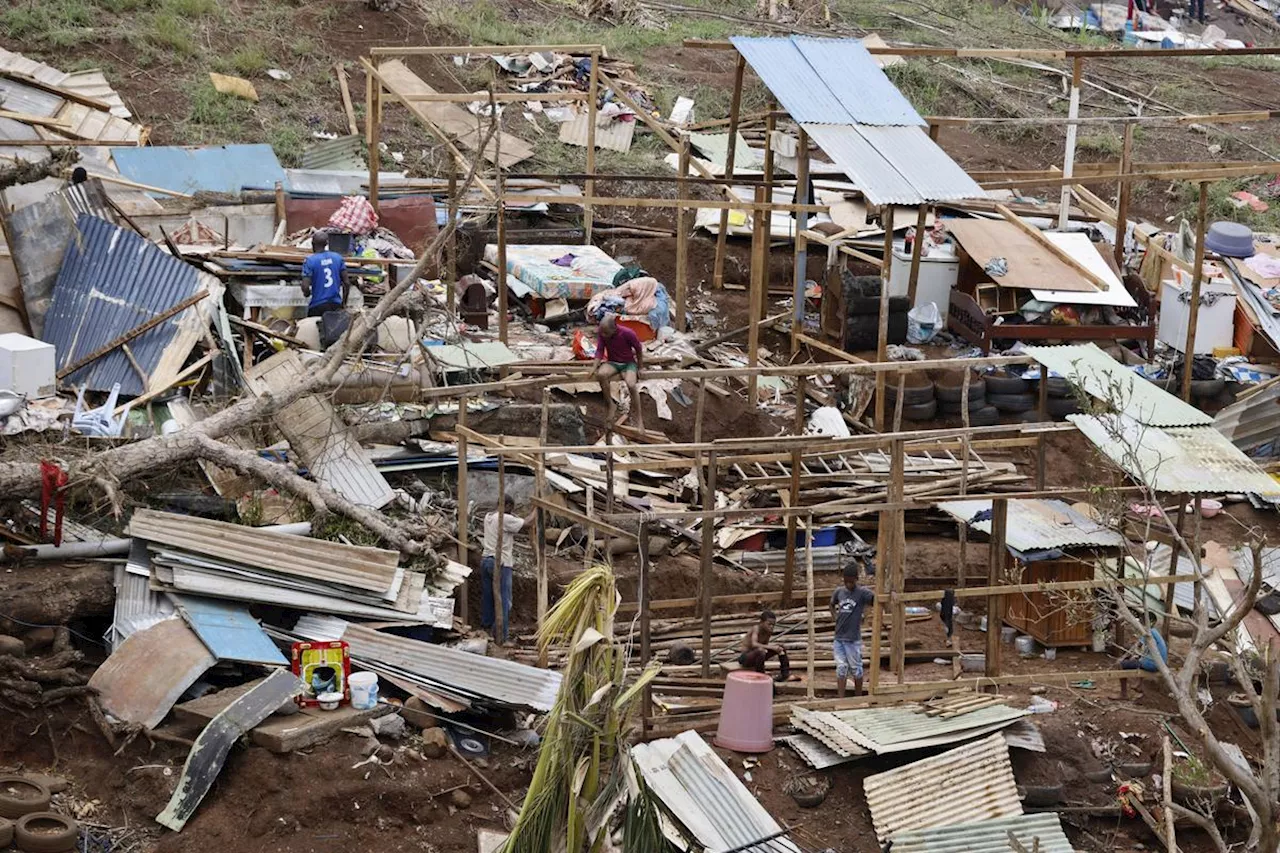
1230	239
746	716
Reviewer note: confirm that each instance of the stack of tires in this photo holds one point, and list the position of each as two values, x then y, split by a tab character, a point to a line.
949	389
1011	395
1062	398
26	821
918	400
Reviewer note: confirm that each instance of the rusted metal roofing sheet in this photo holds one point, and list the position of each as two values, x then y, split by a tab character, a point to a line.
894	165
830	81
142	679
1103	377
371	570
1197	460
971	783
453	672
111	281
1041	832
318	436
908	727
1254	421
42	232
706	797
1035	524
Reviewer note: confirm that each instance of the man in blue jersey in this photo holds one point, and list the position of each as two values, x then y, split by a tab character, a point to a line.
324	278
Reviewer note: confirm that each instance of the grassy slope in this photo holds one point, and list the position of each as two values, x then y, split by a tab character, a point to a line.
158	53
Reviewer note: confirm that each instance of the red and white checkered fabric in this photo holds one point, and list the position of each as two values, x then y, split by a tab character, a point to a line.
354	215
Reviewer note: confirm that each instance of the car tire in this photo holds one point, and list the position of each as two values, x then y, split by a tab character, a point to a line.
986	416
1060	407
912	395
920	411
1002	383
954	408
20	796
1059	387
951	389
6	832
1013	402
46	832
1029	417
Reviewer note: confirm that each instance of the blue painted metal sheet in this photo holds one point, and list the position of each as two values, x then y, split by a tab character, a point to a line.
229	631
112	281
792	80
851	74
217	168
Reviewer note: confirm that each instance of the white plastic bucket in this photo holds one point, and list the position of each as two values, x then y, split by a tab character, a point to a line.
364	690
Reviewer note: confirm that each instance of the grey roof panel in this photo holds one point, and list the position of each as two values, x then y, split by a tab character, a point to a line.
792	80
1253	421
929	169
1041	832
866	167
857	82
1036	524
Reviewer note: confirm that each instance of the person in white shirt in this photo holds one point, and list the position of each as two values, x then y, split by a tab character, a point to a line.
511	525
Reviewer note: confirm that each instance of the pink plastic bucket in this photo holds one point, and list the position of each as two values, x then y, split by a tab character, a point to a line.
746	717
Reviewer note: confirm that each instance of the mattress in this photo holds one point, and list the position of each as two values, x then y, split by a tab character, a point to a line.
589	271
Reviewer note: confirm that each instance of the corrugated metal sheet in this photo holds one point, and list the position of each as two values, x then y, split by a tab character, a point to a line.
214	168
371	570
1152	596
451	671
137	606
894	165
1035	524
111	281
828	81
1041	832
829	731
899	729
335	182
142	679
857	81
318	436
90	84
18	97
972	783
1197	460
42	232
229	631
705	796
342	153
1103	377
815	753
1254	421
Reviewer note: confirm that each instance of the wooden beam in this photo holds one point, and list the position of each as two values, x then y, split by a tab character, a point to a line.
347	107
735	112
882	337
464	532
708	545
996	561
1197	280
800	263
1051	247
484	49
593	101
917	248
586	520
500	97
682	239
136	331
1047	586
759	258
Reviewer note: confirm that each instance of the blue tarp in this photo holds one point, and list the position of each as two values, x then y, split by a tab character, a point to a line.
215	168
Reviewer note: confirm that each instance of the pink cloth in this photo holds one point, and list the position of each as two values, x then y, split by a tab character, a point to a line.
639	294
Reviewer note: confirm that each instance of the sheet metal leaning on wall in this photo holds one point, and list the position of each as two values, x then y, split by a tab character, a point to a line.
112	281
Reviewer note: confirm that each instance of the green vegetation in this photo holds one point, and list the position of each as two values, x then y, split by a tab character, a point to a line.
171	32
1106	142
1222	206
248	61
215	115
288	143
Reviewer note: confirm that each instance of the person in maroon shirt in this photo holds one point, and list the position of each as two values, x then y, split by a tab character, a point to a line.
619	351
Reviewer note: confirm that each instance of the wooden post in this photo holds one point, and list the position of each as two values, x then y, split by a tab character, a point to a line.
1042	408
995	572
767	229
464	531
1122	199
898	403
642	542
500	618
697	412
372	124
917	248
801	263
1170	840
682	239
1173	564
962	570
1197	280
708	544
808	579
735	109
609	483
501	207
451	247
589	552
540	518
1069	155
897	568
882	345
759	257
593	96
793	497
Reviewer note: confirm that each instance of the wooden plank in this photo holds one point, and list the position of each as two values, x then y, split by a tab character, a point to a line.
1031	266
1052	248
280	733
